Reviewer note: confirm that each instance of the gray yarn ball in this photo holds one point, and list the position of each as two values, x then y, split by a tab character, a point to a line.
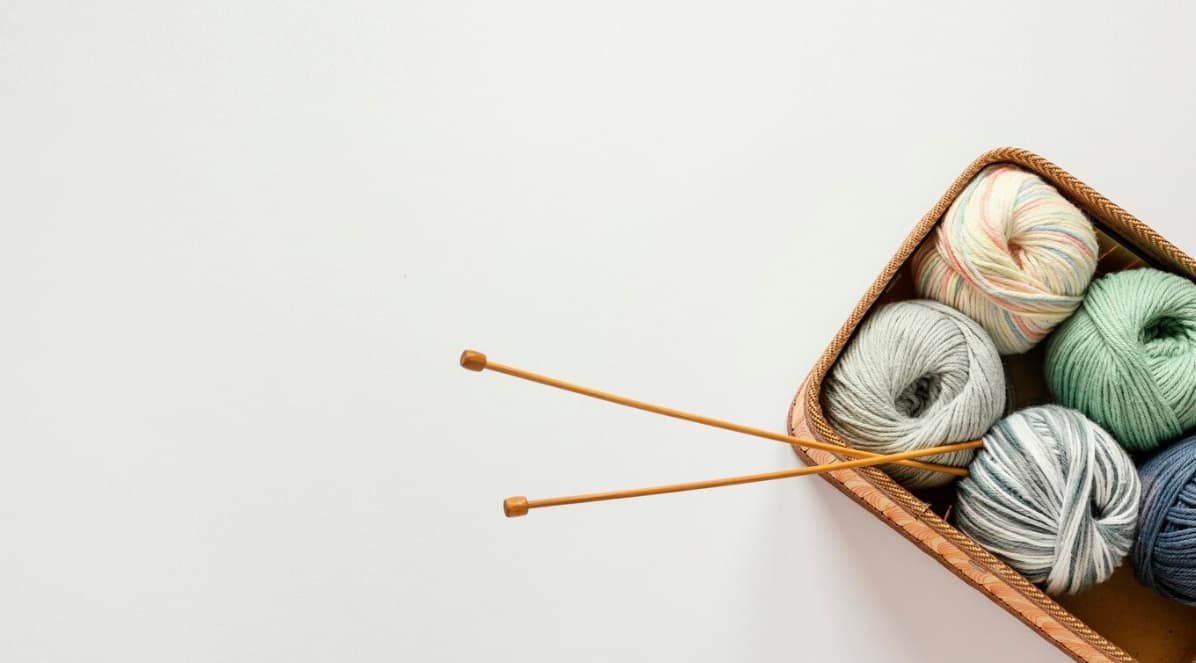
1052	495
918	374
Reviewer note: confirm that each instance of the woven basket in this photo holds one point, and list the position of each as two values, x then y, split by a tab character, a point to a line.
1118	620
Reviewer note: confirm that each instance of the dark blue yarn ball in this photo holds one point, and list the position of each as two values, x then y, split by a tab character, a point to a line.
1164	552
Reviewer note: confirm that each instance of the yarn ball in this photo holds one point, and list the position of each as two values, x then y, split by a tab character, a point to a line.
1127	358
1012	253
918	374
1164	553
1052	495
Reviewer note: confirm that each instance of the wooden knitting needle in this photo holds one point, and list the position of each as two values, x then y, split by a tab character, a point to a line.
514	507
476	361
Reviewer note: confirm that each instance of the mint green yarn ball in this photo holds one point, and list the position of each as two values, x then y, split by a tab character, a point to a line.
1127	357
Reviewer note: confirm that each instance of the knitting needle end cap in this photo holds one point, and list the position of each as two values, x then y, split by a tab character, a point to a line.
473	360
515	507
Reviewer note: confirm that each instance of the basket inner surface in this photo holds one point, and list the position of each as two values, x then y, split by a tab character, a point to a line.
1147	626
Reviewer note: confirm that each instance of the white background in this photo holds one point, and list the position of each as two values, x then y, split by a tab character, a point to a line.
242	245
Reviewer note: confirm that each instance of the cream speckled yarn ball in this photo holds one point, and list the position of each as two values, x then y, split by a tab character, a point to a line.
1012	253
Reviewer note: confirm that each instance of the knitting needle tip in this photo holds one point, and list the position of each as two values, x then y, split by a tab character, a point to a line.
473	360
514	507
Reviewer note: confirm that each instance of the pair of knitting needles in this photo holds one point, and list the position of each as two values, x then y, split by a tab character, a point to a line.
514	507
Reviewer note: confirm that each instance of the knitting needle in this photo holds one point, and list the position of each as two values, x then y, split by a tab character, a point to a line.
476	361
514	507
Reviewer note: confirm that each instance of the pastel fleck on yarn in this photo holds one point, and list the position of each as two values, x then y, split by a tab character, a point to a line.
1127	358
918	374
1012	253
1164	553
1052	495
